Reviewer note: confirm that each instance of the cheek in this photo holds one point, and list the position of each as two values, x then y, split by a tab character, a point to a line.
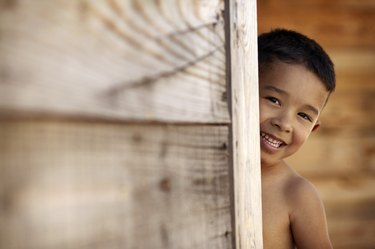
261	116
300	136
264	113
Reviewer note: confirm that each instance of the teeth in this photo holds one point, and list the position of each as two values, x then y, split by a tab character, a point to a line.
271	141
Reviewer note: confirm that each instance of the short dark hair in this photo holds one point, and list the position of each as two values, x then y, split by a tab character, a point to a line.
292	47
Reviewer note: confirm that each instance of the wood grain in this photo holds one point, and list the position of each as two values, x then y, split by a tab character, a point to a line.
245	124
351	109
336	154
102	185
357	60
341	24
353	233
350	192
126	60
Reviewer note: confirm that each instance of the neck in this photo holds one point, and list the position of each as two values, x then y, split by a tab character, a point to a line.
270	169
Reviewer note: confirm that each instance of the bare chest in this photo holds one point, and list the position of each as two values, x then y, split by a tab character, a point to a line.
276	223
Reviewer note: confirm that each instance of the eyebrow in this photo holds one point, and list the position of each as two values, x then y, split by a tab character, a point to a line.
281	91
278	90
313	109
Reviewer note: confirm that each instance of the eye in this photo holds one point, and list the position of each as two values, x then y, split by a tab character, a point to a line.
305	116
273	100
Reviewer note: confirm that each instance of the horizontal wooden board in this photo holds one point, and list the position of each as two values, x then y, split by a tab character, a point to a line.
102	185
350	108
129	60
344	24
357	61
348	192
352	233
342	4
357	81
336	153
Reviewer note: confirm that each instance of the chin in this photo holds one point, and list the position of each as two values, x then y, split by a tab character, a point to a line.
266	161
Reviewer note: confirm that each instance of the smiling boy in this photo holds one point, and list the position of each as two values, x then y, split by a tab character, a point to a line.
296	78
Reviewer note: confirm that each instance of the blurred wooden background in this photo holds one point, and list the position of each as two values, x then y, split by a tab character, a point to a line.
340	157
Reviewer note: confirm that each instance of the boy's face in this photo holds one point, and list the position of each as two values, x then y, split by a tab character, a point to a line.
291	99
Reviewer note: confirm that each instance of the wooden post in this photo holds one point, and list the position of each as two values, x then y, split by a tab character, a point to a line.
245	124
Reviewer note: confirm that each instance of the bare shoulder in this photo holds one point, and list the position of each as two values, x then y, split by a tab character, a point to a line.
303	198
301	192
307	215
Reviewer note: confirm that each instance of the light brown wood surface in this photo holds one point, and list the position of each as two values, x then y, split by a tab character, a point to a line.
125	60
339	24
342	154
245	124
106	185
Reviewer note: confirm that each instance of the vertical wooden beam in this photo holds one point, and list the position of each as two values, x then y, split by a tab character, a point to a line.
245	123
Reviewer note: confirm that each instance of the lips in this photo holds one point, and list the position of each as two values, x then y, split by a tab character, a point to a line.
272	141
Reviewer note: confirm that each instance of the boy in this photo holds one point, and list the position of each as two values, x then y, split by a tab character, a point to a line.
296	78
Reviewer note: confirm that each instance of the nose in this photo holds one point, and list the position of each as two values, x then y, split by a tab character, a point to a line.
282	122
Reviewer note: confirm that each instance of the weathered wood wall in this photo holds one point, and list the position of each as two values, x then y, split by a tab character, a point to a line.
82	185
339	158
115	125
115	59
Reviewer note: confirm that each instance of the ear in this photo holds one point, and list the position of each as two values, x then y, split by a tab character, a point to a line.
316	126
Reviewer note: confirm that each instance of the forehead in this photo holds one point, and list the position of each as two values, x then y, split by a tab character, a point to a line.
300	83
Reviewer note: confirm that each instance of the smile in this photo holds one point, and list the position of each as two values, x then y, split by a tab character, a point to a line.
272	141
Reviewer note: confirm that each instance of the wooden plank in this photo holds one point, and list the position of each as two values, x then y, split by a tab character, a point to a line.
353	233
344	24
128	60
102	185
245	124
355	80
350	108
336	153
346	192
343	59
354	4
